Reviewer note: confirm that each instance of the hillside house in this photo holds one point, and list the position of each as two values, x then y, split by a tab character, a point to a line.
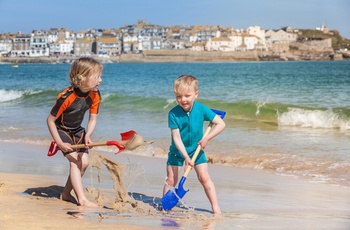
21	46
83	47
279	37
198	46
39	46
60	48
110	46
219	44
5	44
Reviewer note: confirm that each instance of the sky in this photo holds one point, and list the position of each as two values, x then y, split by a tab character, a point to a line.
27	15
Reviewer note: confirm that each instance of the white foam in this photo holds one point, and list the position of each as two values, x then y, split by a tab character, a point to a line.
10	95
312	119
260	105
169	102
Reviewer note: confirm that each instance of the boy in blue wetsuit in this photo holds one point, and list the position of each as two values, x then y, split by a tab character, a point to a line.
186	124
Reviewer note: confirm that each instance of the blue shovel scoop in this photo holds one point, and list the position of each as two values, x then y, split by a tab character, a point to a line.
171	198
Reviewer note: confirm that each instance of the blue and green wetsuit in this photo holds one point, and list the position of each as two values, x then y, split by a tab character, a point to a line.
190	125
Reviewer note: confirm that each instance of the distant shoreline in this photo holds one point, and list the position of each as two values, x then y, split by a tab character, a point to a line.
164	56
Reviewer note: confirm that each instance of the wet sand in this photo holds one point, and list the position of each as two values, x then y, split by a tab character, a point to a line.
31	182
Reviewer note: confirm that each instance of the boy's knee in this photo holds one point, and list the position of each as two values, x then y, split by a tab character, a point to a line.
204	179
170	181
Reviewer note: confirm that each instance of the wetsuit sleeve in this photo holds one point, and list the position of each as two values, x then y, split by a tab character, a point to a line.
172	121
96	99
209	115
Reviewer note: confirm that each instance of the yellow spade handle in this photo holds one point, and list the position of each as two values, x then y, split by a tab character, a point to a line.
97	144
89	145
188	169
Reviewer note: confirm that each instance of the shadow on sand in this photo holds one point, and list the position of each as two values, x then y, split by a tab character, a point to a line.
53	191
156	202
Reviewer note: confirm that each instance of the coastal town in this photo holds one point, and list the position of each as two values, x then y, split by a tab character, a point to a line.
145	42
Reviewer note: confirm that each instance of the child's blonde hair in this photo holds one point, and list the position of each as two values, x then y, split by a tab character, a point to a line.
184	82
82	69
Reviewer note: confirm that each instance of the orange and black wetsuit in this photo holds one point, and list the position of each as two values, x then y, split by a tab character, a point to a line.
69	110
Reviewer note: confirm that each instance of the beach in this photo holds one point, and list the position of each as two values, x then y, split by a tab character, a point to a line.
30	184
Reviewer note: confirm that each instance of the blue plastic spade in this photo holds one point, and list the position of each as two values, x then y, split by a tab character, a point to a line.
171	197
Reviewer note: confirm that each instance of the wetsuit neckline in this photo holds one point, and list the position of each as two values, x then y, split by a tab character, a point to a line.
80	93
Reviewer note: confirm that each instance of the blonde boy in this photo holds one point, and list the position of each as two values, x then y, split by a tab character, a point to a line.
186	124
65	118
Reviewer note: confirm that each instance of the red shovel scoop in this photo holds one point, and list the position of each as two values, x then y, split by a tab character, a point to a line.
130	141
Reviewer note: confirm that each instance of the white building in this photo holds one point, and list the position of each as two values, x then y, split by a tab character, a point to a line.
80	34
250	41
260	36
219	44
197	46
39	46
279	37
5	45
144	42
60	48
52	36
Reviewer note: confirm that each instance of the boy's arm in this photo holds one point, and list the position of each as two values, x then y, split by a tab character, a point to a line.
90	128
54	133
175	133
218	128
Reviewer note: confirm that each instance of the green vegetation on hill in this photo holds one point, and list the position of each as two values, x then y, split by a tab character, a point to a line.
338	42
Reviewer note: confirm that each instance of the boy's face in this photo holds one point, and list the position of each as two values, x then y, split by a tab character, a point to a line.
91	84
186	97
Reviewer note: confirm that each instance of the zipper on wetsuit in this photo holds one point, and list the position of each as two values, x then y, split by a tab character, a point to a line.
189	128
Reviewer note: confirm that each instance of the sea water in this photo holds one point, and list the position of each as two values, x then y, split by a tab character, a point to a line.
291	118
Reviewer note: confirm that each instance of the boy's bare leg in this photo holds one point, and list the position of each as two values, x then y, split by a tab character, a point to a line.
76	163
172	177
208	185
66	193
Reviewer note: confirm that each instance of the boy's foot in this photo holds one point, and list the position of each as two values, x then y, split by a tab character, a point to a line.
216	210
164	212
217	215
88	203
68	198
